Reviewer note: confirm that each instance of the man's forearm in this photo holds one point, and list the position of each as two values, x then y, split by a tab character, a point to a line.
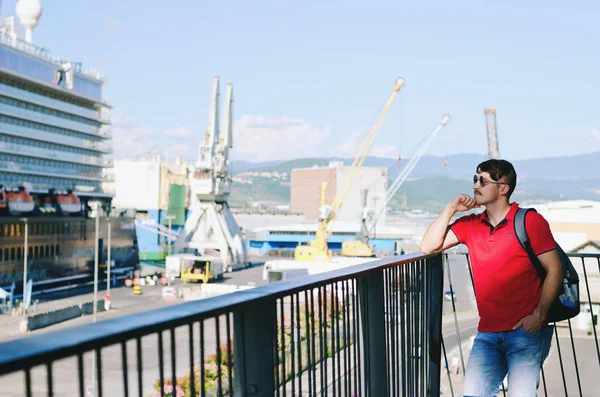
436	232
550	289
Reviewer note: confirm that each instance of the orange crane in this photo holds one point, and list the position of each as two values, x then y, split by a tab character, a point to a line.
492	133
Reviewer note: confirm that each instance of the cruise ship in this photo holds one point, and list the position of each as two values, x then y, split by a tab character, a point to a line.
55	153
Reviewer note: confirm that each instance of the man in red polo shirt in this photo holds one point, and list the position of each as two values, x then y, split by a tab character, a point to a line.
513	335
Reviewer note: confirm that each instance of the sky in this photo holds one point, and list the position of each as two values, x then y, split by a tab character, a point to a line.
309	77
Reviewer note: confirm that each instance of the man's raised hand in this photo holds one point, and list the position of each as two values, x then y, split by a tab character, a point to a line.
464	202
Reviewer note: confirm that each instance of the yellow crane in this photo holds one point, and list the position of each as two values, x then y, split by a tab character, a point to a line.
492	133
317	249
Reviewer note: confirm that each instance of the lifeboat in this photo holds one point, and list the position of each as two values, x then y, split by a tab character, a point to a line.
2	197
69	203
19	201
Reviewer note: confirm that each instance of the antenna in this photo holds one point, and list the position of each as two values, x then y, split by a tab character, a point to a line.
492	133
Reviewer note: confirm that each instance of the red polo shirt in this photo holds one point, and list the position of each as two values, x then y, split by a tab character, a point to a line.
507	286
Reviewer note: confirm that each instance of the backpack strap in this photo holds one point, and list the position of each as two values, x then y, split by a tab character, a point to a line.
523	238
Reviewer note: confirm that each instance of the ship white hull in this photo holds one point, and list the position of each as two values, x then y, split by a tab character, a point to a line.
70	208
20	207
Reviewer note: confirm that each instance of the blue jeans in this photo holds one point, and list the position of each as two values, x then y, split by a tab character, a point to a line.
518	353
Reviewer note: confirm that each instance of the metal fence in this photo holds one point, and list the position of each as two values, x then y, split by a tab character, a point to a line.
573	365
369	330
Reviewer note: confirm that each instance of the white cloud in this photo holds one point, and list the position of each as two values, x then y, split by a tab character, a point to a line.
186	151
131	140
121	119
179	132
350	144
113	26
588	134
592	134
257	138
387	151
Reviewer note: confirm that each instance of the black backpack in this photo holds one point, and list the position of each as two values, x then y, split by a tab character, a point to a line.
566	305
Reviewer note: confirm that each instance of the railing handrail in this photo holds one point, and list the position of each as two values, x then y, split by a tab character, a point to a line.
41	53
55	345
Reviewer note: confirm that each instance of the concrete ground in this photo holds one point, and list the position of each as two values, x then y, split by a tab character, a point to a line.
123	302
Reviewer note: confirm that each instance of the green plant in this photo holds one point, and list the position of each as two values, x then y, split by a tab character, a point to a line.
328	309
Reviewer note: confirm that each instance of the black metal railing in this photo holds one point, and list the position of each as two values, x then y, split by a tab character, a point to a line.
573	364
367	330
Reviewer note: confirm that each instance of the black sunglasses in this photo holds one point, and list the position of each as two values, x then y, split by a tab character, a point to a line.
482	181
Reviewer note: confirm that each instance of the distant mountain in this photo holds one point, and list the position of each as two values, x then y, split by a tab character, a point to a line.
245	166
431	185
288	166
567	167
458	165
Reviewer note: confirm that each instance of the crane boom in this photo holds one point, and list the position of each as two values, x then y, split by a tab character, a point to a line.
318	249
363	151
408	168
360	247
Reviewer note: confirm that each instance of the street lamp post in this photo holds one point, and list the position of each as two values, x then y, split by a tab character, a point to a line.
169	218
96	244
108	261
25	249
96	259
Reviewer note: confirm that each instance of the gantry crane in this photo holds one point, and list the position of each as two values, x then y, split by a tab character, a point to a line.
361	246
211	227
317	249
492	133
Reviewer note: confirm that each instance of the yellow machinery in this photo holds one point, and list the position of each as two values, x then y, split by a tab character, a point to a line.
194	268
199	271
317	249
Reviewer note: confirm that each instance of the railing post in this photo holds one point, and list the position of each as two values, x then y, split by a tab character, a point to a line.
372	302
435	269
254	341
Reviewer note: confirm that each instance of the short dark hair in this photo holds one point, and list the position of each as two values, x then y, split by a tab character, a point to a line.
499	169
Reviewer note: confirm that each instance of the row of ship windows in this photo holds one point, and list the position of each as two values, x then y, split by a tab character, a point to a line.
44	145
45	182
42	164
47	128
50	112
38	251
34	95
37	229
47	93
